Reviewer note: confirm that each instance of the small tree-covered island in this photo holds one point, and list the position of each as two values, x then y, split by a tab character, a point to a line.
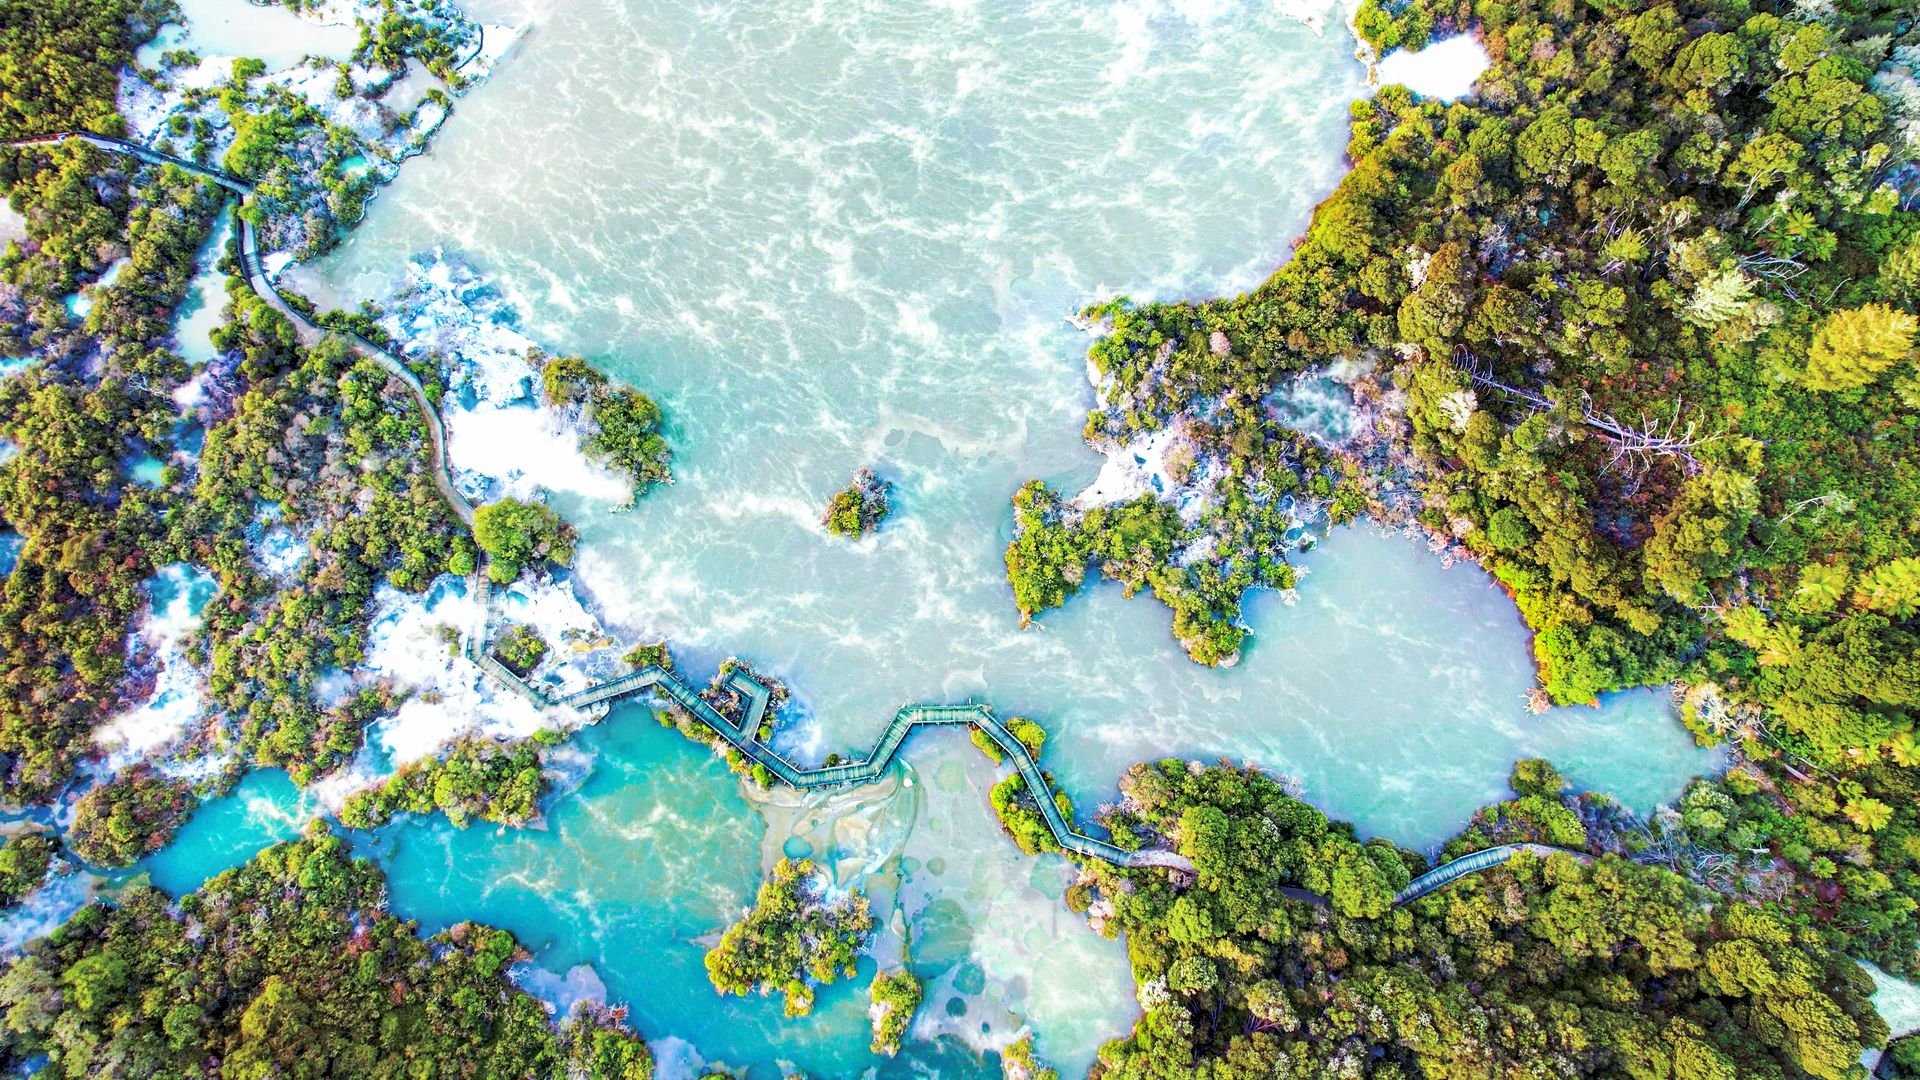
371	704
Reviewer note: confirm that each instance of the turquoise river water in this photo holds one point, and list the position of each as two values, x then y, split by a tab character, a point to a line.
828	235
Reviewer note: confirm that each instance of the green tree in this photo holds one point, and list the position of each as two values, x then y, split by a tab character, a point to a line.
894	995
1853	346
1892	588
514	534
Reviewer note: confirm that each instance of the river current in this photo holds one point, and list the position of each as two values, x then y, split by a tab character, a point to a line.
834	235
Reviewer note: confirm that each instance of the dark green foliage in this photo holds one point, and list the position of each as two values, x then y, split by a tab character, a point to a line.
570	380
317	433
130	815
516	534
1603	970
520	647
477	779
1132	543
791	935
1030	734
894	996
307	413
288	966
1838	857
1650	218
1013	804
24	861
859	508
60	62
1650	295
987	746
66	608
433	33
598	1046
1047	560
1902	1060
1539	815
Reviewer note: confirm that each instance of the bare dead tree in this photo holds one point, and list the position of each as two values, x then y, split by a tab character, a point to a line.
1635	448
1772	267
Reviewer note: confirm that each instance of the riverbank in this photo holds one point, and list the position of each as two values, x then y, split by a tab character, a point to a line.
927	638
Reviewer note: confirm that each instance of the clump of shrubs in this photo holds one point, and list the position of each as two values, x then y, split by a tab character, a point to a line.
860	507
521	648
135	813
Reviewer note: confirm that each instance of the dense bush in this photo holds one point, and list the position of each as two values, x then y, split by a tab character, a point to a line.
1660	218
134	813
476	780
329	439
791	935
288	966
1594	970
517	534
624	423
24	861
1637	321
60	62
520	647
893	997
859	508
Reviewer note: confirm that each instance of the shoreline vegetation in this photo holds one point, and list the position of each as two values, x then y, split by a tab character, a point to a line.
620	425
1696	216
1633	327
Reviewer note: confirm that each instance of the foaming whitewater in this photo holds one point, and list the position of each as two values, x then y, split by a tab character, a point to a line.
851	234
827	236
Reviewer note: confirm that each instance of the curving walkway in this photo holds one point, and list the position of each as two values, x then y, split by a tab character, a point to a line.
255	271
659	680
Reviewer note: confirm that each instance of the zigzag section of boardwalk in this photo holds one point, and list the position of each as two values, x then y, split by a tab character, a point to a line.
653	678
741	736
1485	859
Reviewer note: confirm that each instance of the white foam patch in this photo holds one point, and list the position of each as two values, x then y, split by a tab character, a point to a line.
273	34
1896	1000
560	993
525	448
501	440
1313	14
1445	69
42	911
1133	469
280	552
13	226
191	394
639	590
450	695
674	1058
176	702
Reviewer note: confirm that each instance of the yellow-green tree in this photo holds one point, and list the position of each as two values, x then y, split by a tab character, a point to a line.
1853	346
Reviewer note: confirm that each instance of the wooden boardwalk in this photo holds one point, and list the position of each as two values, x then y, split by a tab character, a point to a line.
741	736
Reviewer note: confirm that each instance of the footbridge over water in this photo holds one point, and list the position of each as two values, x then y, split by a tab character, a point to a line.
742	736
